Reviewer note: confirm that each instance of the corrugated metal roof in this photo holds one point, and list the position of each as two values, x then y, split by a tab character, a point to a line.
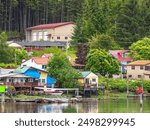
42	43
6	71
118	55
85	73
51	25
22	69
14	75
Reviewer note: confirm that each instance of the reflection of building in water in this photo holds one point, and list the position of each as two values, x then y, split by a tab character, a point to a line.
52	108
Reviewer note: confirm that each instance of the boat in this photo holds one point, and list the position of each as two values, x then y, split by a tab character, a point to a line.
51	91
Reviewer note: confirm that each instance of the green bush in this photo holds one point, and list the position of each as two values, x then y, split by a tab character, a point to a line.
120	85
8	66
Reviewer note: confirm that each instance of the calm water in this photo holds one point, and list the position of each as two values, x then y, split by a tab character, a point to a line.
93	106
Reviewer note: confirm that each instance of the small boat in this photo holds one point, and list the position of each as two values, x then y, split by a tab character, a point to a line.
51	91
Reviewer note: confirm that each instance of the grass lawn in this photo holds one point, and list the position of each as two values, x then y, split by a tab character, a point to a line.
114	96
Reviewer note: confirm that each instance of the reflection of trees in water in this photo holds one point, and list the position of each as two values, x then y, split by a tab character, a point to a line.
121	106
88	106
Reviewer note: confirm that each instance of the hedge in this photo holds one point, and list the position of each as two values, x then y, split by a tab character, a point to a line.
121	84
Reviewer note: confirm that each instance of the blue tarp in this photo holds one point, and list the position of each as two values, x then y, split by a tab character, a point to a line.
50	81
32	73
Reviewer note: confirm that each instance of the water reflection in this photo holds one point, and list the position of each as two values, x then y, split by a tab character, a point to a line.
88	106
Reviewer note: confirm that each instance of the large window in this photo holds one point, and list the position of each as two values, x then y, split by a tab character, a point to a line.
147	68
34	36
40	36
45	36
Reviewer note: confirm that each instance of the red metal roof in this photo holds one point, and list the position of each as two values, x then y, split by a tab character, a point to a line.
52	25
118	55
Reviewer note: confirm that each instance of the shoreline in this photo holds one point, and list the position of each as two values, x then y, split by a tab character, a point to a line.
69	100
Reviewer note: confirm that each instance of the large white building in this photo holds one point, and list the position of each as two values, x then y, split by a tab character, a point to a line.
50	32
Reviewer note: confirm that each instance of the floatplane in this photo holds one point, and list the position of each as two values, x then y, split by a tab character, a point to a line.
51	91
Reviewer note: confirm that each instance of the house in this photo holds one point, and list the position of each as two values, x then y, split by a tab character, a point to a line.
88	80
19	81
35	73
139	70
38	62
27	78
50	32
122	57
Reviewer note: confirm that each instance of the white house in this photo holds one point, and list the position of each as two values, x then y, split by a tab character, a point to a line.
37	62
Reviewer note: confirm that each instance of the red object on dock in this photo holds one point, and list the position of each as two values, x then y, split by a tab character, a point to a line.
139	90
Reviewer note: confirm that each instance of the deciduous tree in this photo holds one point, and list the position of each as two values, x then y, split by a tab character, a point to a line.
99	61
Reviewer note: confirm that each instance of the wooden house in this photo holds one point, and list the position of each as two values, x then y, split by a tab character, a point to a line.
88	80
27	78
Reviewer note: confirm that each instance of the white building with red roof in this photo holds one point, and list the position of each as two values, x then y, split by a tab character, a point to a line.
38	62
122	57
50	32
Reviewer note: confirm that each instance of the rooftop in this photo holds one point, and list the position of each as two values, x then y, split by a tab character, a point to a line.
14	75
42	44
6	71
23	69
41	60
84	74
118	55
51	25
139	62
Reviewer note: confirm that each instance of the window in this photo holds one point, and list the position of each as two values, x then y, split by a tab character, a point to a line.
130	76
34	36
93	80
58	37
21	80
30	80
43	80
10	80
147	68
141	67
52	37
139	76
39	81
43	66
40	36
66	38
45	36
133	67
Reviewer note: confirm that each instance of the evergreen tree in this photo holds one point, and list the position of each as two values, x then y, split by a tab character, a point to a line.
81	54
132	22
